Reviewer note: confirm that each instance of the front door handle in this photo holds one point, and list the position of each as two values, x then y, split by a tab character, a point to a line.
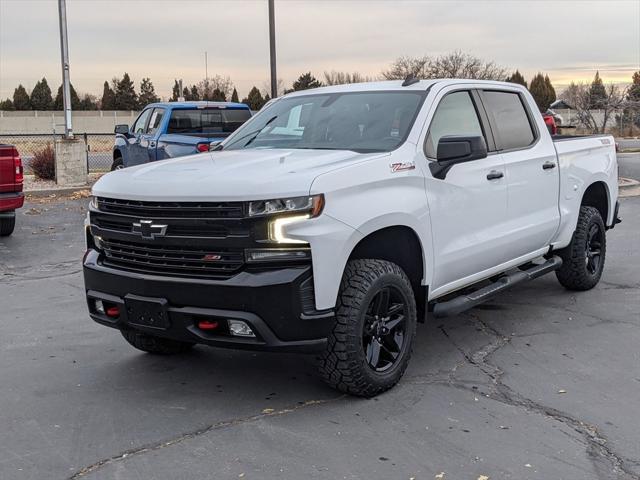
548	165
494	175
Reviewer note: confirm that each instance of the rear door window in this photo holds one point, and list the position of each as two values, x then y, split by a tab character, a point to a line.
506	110
456	115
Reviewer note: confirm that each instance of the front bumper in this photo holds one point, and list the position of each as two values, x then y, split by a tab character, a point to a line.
276	304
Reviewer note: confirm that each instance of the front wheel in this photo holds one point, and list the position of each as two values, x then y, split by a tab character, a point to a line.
117	164
370	345
583	258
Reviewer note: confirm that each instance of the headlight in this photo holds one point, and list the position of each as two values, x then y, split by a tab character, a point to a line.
276	228
310	204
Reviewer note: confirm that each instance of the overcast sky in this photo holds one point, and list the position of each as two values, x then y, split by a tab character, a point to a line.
166	39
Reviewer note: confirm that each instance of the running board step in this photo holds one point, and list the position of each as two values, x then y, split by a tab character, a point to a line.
466	301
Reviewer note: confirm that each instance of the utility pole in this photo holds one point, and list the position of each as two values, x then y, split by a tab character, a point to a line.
272	50
206	67
66	83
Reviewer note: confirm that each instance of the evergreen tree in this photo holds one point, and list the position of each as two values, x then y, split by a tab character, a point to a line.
75	100
218	95
186	94
517	77
88	102
7	105
41	98
551	92
108	101
175	91
126	97
540	93
306	81
147	93
254	100
195	95
597	93
634	89
21	100
234	96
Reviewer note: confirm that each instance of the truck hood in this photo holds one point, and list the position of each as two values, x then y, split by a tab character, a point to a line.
227	176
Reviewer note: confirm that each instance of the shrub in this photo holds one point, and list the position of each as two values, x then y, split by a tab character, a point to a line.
43	163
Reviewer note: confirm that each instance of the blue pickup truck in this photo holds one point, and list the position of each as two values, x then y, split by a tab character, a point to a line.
174	129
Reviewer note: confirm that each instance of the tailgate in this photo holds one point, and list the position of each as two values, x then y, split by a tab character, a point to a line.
7	169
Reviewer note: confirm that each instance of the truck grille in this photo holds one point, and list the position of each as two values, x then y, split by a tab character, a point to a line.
172	260
171	209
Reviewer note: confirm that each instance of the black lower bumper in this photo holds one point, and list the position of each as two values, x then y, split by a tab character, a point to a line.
275	304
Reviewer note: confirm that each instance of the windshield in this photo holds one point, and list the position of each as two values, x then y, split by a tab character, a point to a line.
359	121
207	121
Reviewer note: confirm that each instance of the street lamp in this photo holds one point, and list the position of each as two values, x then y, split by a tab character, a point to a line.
66	83
272	50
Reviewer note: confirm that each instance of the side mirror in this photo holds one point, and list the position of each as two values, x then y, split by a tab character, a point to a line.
453	149
122	129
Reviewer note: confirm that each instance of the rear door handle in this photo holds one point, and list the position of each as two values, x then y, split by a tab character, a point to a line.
548	165
494	175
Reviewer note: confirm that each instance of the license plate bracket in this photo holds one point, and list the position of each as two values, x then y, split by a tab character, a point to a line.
147	312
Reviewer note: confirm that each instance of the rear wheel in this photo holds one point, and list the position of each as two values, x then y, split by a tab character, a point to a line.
117	164
7	226
583	258
151	344
370	345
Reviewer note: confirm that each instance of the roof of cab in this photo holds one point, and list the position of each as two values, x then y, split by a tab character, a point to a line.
202	104
396	85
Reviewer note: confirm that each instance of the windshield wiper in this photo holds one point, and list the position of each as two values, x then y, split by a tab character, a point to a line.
259	131
253	134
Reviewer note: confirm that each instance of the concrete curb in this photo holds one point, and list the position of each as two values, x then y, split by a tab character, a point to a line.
628	187
55	191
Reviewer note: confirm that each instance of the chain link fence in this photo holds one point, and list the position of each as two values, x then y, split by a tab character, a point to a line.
99	148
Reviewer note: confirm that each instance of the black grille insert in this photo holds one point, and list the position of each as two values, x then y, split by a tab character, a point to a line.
171	209
170	260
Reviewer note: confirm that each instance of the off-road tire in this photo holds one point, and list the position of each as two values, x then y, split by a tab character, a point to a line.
574	274
150	344
6	226
343	364
117	164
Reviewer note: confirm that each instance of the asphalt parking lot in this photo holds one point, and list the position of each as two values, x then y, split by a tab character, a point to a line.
541	383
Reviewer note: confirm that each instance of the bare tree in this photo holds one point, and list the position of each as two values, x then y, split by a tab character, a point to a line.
341	78
280	88
579	97
452	65
402	67
207	86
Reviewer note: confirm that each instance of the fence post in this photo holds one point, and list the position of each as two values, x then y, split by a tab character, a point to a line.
86	150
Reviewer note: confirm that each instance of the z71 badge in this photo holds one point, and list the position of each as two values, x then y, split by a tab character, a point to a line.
400	167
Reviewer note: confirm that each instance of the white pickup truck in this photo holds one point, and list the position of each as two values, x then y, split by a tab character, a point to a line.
337	218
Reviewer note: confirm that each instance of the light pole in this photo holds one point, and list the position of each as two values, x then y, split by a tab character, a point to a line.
272	50
66	83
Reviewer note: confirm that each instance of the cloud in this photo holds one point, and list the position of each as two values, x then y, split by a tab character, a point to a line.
165	40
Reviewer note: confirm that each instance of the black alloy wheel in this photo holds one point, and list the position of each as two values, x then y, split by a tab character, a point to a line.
383	335
593	250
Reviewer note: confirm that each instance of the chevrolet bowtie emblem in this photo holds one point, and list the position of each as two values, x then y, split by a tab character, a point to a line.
148	229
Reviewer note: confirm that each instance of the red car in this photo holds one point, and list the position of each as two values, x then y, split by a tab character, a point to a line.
550	122
11	196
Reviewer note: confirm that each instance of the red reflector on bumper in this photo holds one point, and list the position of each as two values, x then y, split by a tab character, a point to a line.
207	325
113	312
